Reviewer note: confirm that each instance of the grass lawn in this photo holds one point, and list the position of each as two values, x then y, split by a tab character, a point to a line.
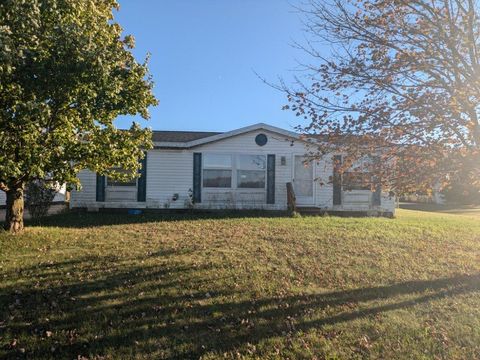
106	286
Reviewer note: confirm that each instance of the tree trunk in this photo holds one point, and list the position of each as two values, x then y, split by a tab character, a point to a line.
14	213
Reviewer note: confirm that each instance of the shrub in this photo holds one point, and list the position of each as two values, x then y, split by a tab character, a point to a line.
38	198
296	215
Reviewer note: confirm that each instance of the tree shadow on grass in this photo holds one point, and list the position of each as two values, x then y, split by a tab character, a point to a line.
94	306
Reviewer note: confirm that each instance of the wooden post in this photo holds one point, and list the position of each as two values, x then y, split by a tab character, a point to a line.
291	199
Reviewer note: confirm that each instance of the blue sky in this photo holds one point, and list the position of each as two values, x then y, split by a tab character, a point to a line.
204	55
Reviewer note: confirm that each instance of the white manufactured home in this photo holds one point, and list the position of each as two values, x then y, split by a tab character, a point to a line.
247	168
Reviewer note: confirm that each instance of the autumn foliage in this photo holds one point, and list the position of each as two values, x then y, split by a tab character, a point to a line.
400	80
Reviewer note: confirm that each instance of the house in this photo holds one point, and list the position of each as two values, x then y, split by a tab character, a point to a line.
247	168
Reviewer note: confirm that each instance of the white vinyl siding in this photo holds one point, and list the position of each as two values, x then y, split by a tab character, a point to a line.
169	172
86	196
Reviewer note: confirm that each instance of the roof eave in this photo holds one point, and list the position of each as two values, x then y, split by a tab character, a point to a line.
228	134
247	129
166	144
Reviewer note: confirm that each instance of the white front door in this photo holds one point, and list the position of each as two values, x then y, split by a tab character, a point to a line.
303	181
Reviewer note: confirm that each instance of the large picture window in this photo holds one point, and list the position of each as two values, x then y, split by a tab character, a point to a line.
251	171
217	171
234	171
116	183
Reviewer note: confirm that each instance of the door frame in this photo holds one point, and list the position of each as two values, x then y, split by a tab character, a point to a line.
305	202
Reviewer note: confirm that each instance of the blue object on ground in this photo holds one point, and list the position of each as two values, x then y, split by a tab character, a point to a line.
134	212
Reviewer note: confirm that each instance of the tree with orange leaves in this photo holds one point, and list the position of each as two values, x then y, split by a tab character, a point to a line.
402	81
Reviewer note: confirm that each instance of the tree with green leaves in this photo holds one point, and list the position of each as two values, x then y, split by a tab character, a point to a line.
66	73
395	78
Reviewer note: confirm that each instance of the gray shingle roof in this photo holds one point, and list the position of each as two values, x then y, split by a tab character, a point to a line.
181	136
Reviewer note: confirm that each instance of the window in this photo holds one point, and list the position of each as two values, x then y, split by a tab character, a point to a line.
356	180
217	171
251	171
131	182
217	178
217	161
261	139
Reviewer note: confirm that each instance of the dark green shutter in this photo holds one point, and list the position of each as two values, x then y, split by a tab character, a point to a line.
337	180
377	194
100	188
377	183
271	179
142	181
197	178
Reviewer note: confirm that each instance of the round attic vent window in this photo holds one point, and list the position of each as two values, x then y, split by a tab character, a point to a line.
261	139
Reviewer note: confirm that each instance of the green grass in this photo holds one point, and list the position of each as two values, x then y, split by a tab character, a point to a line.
107	286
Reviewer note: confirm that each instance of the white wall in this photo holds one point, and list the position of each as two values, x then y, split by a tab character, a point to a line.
86	196
169	172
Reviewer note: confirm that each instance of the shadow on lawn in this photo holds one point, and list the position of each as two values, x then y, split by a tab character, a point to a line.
116	307
83	219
